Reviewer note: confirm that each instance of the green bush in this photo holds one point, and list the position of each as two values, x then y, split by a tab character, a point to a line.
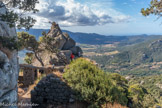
9	42
120	92
29	58
140	97
93	85
153	97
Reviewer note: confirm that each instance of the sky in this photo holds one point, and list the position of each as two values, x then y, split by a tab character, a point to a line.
107	17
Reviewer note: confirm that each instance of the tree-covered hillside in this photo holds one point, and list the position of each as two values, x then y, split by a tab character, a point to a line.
140	59
152	83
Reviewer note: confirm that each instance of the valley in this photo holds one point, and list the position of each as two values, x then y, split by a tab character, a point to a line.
127	55
137	58
80	54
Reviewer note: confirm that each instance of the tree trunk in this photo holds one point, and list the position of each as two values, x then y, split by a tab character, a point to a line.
39	59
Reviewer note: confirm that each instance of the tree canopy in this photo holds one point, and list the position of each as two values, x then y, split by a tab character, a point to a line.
154	8
22	7
29	42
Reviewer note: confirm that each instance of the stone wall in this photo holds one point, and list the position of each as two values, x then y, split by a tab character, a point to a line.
52	91
31	73
29	76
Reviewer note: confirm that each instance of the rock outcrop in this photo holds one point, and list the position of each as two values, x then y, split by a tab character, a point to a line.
8	65
70	43
57	35
64	43
76	50
156	45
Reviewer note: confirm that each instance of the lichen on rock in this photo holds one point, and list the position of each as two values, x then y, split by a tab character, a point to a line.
8	65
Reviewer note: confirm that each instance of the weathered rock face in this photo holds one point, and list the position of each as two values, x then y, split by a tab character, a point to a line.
63	42
51	58
8	66
70	43
67	54
5	30
76	50
59	38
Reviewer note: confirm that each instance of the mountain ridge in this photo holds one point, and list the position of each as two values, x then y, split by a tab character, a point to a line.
97	39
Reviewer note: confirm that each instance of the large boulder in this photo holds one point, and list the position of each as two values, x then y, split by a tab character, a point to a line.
64	43
8	65
70	43
76	50
56	34
67	54
60	59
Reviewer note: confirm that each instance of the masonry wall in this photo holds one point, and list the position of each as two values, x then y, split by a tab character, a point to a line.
51	90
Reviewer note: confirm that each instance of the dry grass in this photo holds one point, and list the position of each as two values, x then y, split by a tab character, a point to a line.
59	74
109	46
115	105
100	54
111	53
88	48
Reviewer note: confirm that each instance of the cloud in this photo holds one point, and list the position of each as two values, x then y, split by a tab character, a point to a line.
134	1
72	13
125	3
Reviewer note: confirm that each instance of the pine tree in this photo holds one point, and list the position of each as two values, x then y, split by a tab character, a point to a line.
154	8
21	19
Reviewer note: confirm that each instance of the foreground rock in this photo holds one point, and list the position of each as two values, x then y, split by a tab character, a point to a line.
8	66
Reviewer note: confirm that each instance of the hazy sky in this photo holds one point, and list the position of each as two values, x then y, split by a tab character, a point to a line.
109	17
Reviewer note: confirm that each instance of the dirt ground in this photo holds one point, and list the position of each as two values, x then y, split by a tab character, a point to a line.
24	96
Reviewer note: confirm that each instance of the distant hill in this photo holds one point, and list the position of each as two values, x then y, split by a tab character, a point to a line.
97	39
140	59
150	51
123	42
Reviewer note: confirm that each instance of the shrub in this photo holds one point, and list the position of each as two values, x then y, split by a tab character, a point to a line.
136	94
9	42
92	84
29	58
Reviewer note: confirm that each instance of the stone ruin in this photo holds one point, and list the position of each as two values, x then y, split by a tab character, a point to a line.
31	73
53	91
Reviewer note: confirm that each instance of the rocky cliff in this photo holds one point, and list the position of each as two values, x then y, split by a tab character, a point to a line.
64	43
8	65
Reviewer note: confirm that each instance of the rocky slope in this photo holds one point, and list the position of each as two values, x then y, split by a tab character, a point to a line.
64	43
8	65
